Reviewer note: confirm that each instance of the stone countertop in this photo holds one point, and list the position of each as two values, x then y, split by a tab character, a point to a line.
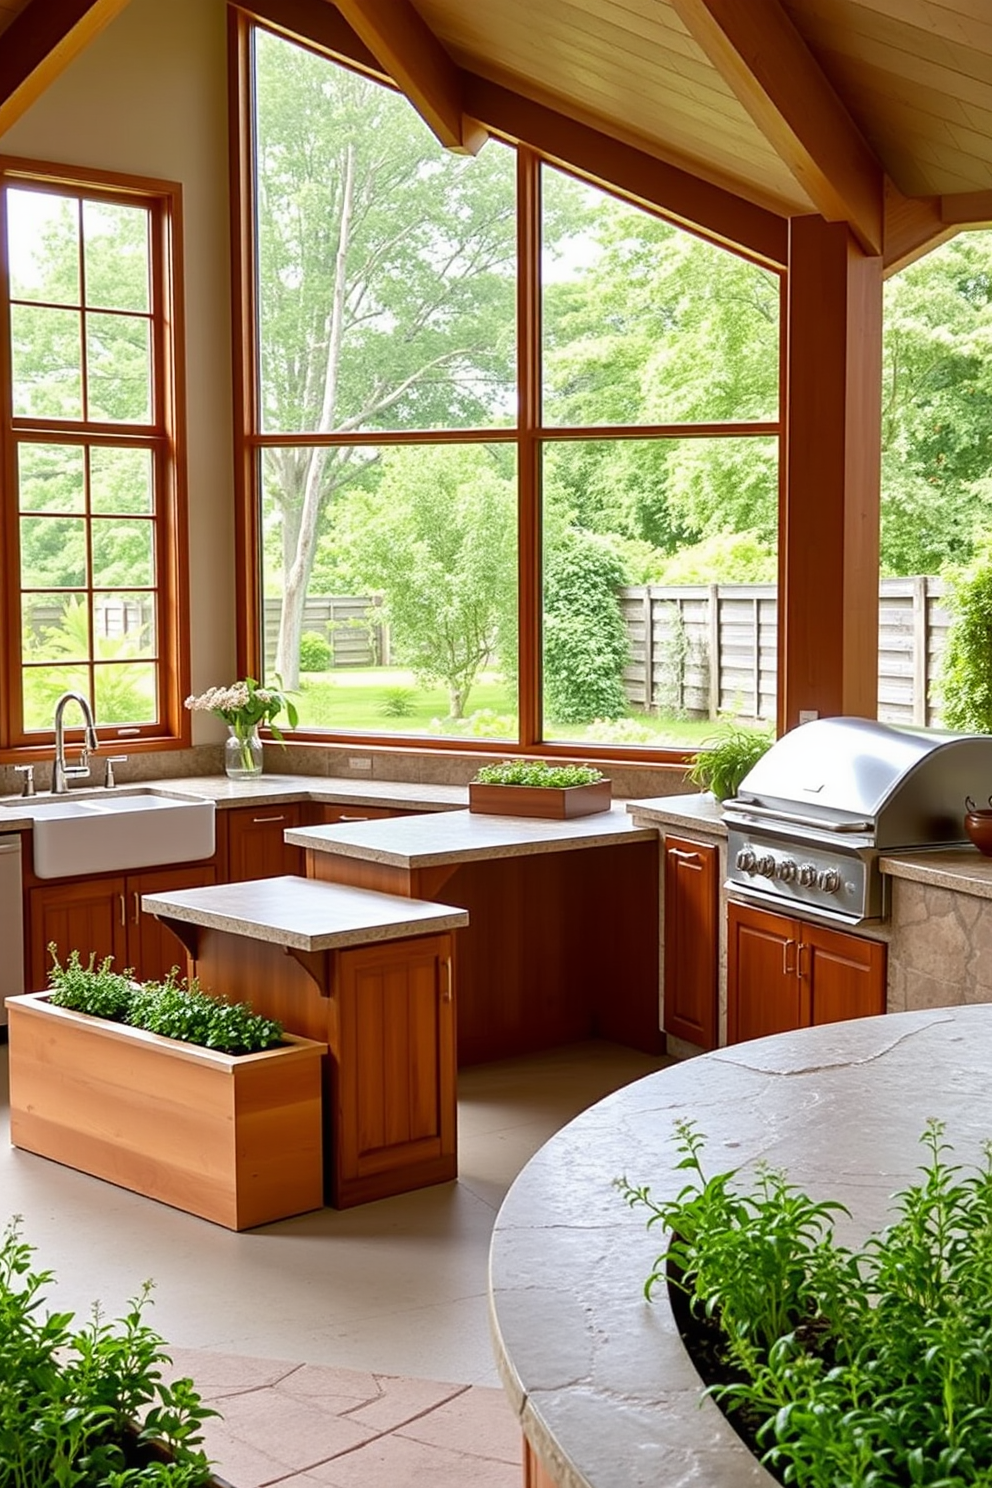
598	1376
962	869
467	836
700	812
303	913
267	790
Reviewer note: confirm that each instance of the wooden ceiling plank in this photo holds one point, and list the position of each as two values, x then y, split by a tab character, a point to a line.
683	198
419	65
762	56
946	67
40	43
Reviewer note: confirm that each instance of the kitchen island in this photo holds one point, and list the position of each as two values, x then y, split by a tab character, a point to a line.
372	976
562	940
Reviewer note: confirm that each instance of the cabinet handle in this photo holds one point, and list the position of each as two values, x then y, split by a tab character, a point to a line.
449	980
687	857
258	820
345	817
123	904
803	946
788	958
137	909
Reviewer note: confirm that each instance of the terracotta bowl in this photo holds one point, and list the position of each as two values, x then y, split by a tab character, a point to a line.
978	825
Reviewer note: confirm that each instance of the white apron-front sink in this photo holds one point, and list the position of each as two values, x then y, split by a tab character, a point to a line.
116	830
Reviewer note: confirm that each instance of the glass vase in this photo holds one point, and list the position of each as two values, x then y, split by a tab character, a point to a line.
243	752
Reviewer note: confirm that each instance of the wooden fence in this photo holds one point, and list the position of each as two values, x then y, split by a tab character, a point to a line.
344	621
705	649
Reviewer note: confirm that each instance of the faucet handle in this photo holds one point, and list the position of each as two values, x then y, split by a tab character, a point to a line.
27	785
110	762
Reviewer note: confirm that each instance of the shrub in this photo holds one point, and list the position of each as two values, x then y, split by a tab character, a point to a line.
315	653
966	674
398	702
586	645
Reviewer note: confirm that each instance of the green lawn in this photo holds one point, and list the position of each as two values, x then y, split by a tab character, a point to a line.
369	700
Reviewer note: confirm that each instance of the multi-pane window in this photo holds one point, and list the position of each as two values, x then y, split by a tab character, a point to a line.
496	419
90	442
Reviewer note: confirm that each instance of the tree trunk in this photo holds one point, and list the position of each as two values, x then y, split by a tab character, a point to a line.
297	576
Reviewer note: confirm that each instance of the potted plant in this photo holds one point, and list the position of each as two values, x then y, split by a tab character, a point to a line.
88	1405
539	788
724	760
863	1366
164	1090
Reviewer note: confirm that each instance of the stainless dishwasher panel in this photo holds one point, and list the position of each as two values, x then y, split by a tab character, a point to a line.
11	922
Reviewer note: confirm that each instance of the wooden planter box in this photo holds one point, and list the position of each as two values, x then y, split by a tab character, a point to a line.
558	801
236	1140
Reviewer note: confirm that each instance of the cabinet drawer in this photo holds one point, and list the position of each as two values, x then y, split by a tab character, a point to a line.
255	846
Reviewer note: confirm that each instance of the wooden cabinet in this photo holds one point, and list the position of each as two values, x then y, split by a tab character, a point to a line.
785	973
254	841
393	1085
103	917
386	1011
692	896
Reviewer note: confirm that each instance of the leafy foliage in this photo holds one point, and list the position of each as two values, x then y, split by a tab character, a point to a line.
173	1008
723	761
537	772
77	1405
315	653
869	1367
586	645
965	681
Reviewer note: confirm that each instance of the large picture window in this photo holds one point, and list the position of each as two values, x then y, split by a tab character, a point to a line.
90	441
495	417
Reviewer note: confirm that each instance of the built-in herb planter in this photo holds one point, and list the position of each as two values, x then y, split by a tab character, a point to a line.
557	801
235	1139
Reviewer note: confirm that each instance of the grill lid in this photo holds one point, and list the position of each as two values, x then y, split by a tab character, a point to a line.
903	788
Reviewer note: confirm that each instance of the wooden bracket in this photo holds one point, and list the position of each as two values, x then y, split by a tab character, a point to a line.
314	963
183	931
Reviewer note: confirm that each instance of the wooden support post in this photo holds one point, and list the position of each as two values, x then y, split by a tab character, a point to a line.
828	626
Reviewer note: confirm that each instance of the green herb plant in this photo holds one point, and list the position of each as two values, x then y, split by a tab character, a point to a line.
87	1407
723	761
537	772
847	1368
173	1008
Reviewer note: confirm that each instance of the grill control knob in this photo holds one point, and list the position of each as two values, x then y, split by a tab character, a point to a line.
807	875
786	870
746	860
828	879
766	866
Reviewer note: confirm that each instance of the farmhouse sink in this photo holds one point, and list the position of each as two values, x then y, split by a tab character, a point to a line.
116	830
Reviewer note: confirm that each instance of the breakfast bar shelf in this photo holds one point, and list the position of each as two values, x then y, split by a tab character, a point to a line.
371	976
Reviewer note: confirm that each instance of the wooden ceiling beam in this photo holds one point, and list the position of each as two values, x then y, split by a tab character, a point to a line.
681	197
40	43
413	57
967	209
914	225
760	55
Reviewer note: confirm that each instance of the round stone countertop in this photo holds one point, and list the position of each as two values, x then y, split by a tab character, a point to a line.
604	1390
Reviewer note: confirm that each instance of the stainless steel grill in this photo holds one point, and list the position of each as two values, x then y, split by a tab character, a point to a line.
810	821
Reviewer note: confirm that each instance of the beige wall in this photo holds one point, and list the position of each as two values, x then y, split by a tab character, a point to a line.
149	97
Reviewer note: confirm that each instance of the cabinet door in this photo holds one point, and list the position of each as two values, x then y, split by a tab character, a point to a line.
846	973
393	1053
691	941
255	848
764	993
88	917
151	948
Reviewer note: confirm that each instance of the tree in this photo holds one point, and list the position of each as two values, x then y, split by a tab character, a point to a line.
586	645
437	537
386	289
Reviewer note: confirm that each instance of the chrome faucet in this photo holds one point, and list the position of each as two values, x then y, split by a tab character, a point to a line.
61	772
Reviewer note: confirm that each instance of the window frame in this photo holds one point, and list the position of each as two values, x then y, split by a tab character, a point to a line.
164	436
529	433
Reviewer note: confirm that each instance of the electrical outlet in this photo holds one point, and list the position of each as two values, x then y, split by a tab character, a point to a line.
807	715
361	763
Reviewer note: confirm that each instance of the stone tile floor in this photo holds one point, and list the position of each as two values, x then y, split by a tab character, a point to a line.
298	1425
